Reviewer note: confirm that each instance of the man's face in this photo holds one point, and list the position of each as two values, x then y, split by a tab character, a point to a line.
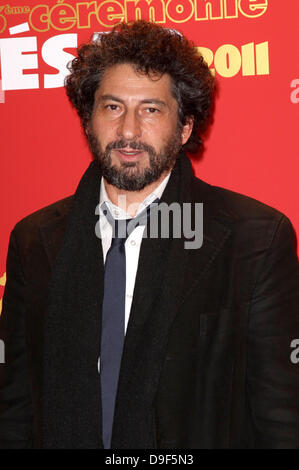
134	131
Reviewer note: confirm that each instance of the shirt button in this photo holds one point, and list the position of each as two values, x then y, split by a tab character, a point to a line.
116	213
133	243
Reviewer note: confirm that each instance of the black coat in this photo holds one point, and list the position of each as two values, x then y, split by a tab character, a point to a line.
207	353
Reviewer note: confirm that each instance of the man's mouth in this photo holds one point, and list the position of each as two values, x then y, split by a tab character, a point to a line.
129	153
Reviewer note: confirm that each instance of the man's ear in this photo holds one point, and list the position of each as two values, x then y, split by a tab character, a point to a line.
187	129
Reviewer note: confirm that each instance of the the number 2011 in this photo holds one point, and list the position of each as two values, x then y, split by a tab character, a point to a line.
229	60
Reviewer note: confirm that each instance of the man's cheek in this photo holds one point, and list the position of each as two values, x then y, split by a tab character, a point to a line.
113	154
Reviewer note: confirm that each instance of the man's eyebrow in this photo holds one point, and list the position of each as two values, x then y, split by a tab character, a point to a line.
153	101
110	97
145	101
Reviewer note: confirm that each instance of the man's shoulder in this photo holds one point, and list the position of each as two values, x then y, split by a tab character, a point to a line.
249	218
43	216
239	206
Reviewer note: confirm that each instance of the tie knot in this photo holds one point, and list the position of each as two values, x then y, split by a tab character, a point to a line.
122	228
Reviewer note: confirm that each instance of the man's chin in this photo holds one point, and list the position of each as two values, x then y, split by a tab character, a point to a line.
129	178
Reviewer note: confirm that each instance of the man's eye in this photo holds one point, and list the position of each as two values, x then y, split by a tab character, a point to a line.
152	110
112	107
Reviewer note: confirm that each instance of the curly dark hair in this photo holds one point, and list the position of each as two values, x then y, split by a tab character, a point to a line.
151	49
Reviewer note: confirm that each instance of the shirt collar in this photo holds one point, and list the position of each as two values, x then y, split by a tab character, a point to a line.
119	213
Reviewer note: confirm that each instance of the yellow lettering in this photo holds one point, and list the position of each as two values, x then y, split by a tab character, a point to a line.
84	12
228	60
262	58
151	10
110	13
3	280
208	10
39	18
253	8
2	283
179	11
231	9
62	17
248	62
3	23
15	10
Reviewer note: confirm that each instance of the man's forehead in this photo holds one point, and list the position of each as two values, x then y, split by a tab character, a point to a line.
124	80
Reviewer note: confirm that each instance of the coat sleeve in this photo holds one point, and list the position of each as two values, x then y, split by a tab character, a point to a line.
15	398
272	374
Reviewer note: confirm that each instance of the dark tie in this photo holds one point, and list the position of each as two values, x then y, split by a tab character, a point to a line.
113	315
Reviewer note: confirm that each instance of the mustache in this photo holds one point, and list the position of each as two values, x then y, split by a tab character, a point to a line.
122	144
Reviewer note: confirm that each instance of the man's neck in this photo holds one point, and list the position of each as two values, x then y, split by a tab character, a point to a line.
130	200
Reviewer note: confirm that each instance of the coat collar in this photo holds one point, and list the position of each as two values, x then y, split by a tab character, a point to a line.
193	190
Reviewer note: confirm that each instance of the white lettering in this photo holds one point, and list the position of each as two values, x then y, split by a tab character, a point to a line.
2	352
295	354
54	55
14	61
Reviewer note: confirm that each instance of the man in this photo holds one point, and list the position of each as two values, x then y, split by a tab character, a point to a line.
198	351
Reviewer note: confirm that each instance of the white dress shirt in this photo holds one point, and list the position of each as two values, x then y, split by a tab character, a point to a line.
133	242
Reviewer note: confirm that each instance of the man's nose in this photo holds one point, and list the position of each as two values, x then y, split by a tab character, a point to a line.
129	127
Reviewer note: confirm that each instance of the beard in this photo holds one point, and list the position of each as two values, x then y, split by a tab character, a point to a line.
130	176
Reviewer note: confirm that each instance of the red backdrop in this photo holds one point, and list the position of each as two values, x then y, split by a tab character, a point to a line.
251	45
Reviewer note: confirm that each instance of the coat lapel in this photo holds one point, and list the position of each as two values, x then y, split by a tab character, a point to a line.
167	273
53	230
